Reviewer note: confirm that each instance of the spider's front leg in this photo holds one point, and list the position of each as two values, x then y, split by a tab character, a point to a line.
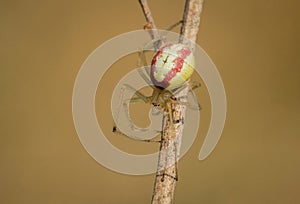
117	131
123	124
138	95
183	100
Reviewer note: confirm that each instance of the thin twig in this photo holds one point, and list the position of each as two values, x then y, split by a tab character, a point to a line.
150	26
191	21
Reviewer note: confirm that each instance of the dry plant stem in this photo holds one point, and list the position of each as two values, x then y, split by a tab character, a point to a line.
166	175
150	26
191	21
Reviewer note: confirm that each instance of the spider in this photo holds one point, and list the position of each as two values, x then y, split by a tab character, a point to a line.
170	71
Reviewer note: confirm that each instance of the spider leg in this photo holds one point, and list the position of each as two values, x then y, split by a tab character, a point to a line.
195	85
130	124
196	106
153	44
191	86
174	25
164	33
182	87
139	95
122	113
117	131
158	42
145	72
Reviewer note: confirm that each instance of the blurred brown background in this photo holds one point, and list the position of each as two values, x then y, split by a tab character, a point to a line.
255	45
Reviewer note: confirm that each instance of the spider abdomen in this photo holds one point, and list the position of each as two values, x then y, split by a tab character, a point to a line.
171	66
